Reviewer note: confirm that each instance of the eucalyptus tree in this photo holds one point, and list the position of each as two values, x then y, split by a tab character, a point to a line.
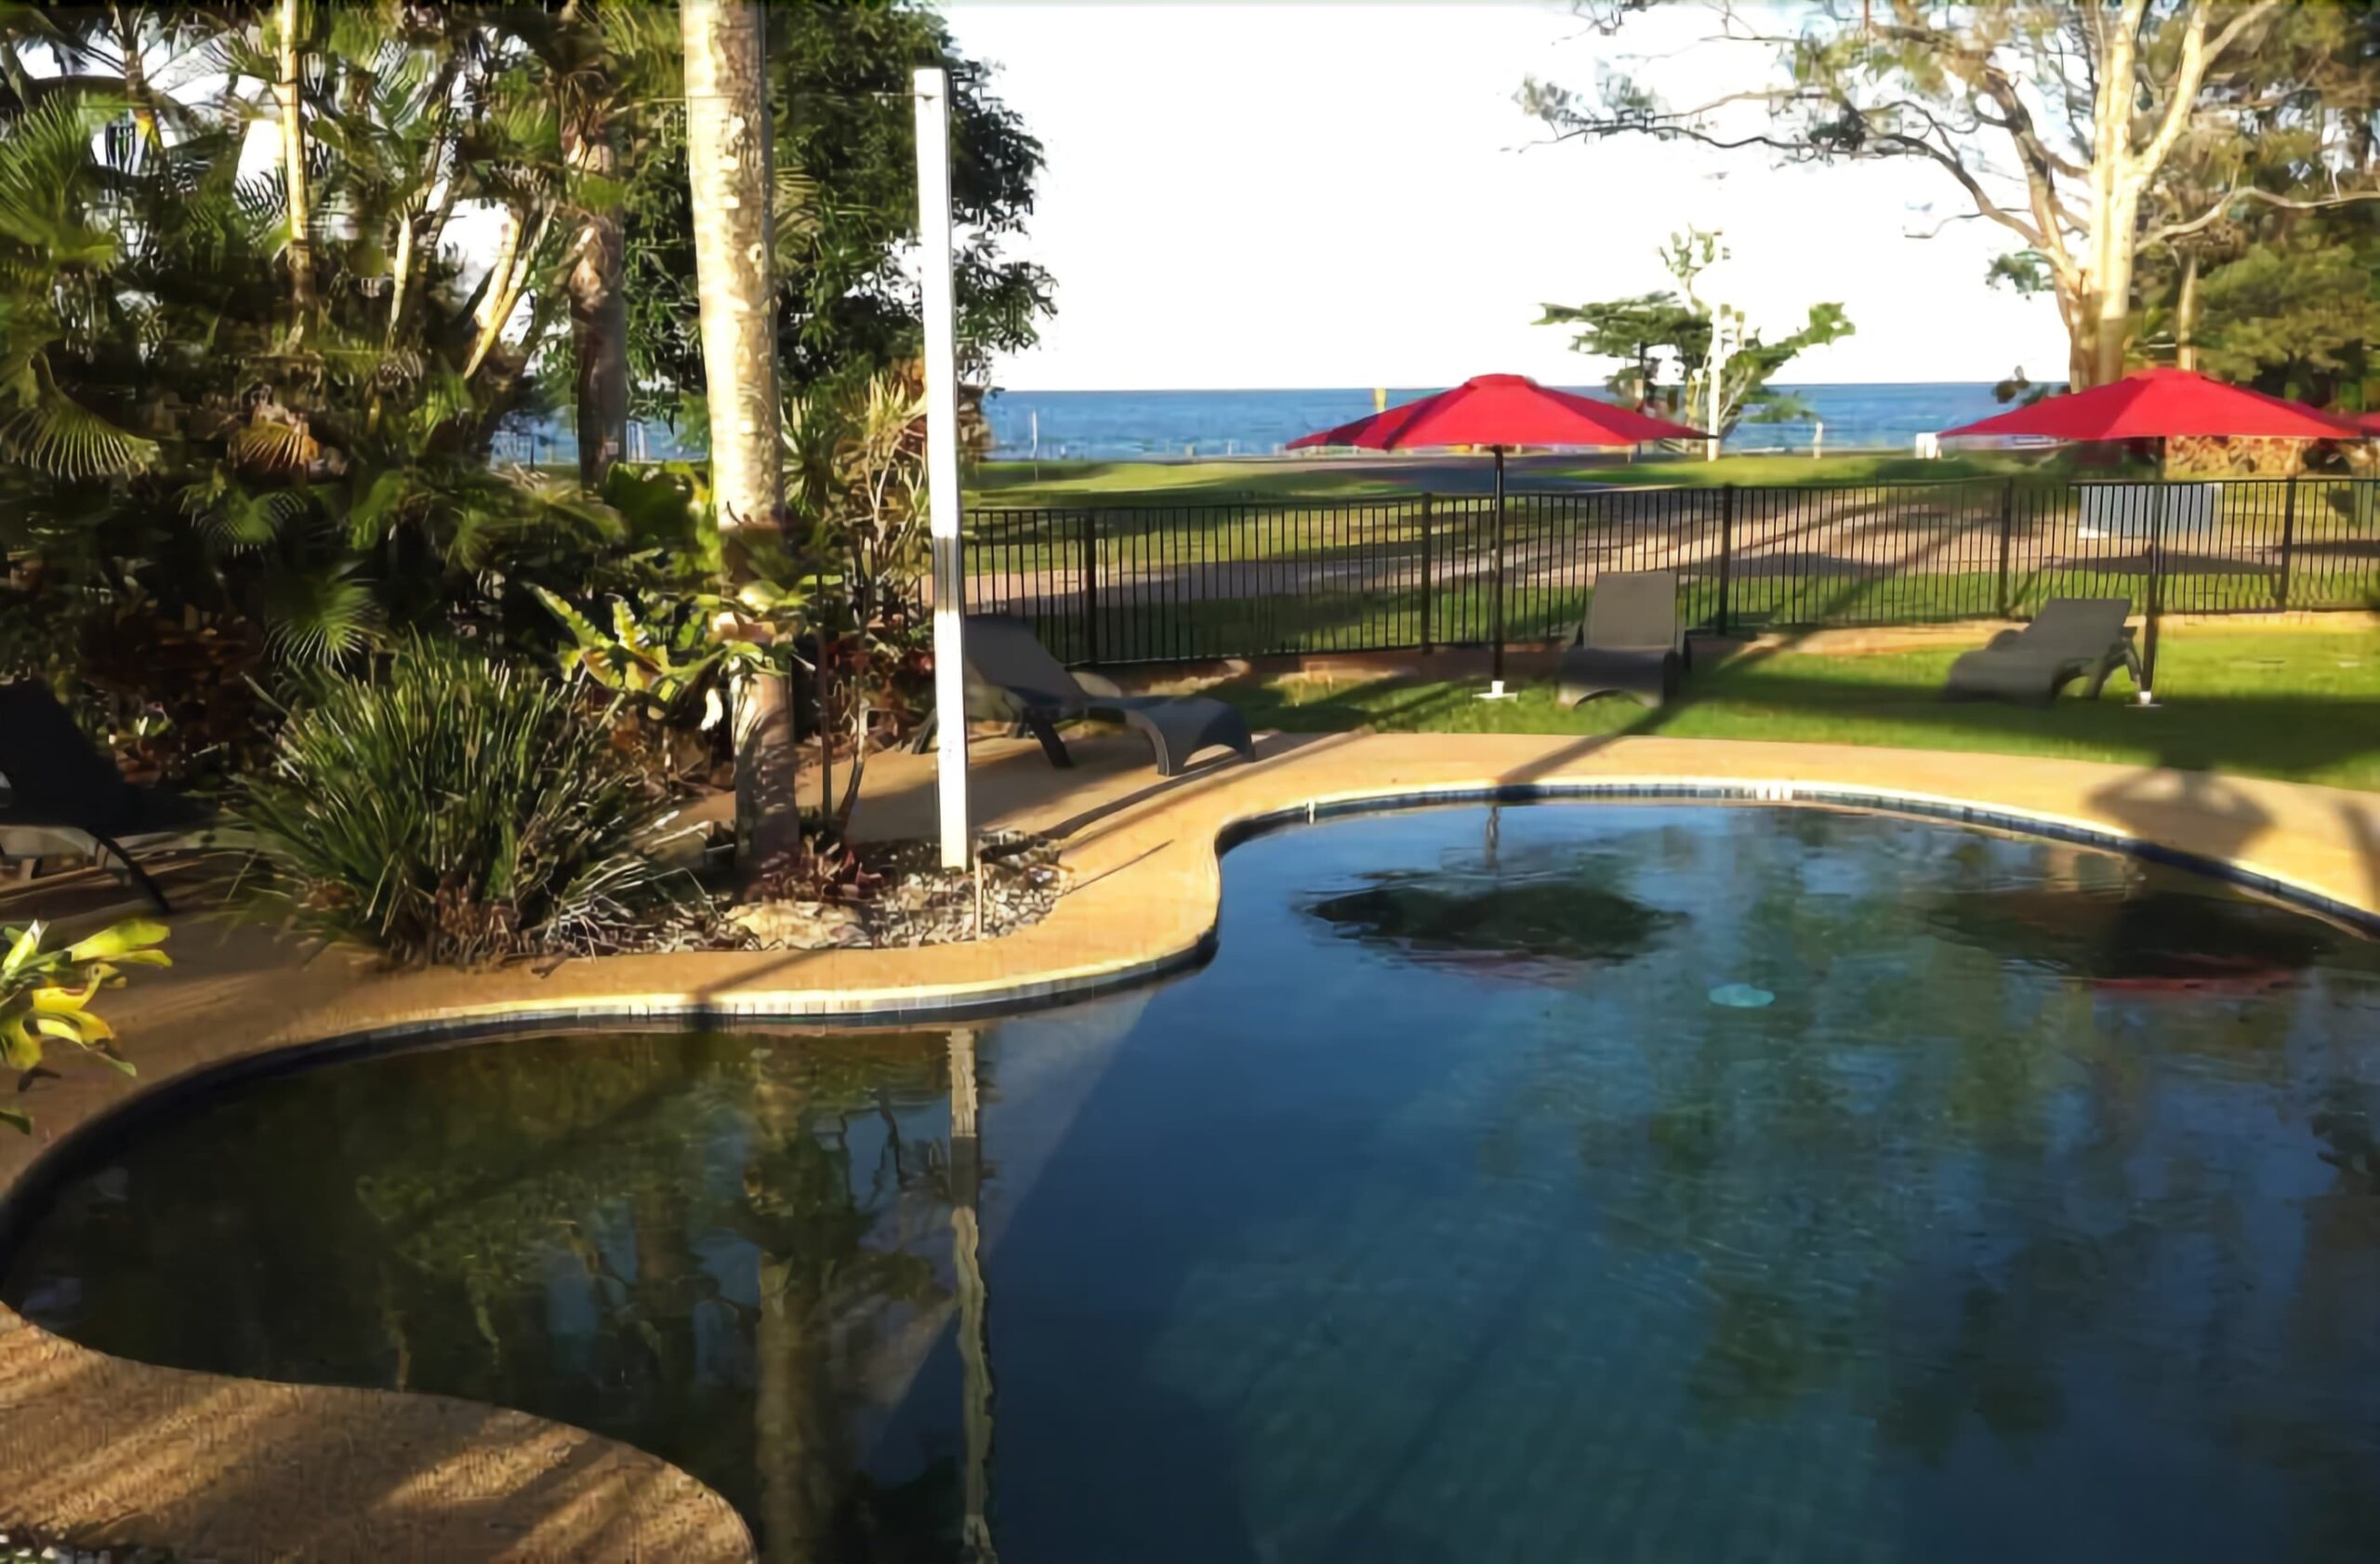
2055	120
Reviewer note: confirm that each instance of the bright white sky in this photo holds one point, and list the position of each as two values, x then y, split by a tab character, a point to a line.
1245	196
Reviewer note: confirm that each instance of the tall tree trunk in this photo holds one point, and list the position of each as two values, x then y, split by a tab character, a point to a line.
2079	311
599	314
289	94
2186	314
727	163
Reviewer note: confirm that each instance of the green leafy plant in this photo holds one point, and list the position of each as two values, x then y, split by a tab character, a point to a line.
1674	328
450	808
46	995
855	477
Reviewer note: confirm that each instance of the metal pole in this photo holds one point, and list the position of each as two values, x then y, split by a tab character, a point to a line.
1091	585
2288	541
1727	549
2007	526
932	97
1427	587
2156	597
1496	628
1718	370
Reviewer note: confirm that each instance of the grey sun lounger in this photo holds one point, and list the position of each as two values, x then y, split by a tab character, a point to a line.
1631	642
2071	638
58	779
1013	678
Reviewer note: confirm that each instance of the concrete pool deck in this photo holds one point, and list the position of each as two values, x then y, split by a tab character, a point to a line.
102	1451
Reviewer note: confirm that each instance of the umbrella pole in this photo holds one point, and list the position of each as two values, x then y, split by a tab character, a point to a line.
1496	690
2156	597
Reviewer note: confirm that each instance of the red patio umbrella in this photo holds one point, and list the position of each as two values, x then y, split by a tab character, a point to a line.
2161	404
1499	411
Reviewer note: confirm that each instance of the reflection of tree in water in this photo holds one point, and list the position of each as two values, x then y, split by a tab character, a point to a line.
664	1239
1541	912
2149	937
1936	1180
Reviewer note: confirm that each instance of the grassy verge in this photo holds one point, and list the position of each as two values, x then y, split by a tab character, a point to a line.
1162	628
2303	706
1186	483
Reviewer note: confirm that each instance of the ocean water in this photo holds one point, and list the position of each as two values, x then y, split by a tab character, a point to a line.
1113	425
1121	425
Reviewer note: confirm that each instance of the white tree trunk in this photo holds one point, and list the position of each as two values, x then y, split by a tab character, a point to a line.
727	164
2186	315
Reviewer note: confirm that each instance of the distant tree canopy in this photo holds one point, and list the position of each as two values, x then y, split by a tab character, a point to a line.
2110	137
847	207
1669	332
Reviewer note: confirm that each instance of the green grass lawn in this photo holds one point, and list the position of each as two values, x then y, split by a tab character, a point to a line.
1184	482
1189	627
2299	705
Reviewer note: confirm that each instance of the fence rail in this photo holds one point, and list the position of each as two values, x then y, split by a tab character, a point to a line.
1171	583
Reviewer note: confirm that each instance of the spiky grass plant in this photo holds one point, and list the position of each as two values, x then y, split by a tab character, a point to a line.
449	808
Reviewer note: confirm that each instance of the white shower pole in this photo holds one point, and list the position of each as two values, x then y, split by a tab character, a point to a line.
932	91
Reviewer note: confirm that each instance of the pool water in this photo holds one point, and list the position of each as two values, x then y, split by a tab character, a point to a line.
1470	1205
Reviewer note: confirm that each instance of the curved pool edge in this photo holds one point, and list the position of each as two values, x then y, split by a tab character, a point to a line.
1158	851
109	1453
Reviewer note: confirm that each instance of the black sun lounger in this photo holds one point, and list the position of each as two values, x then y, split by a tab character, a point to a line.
57	778
2071	638
1630	642
1013	678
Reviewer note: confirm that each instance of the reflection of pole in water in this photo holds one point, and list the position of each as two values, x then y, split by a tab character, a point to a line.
1495	832
975	1343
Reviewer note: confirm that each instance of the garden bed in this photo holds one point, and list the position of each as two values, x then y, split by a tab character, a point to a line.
898	895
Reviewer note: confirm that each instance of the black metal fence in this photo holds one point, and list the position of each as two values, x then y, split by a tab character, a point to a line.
1183	582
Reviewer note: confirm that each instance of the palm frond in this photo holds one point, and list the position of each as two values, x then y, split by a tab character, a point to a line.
47	172
319	612
52	433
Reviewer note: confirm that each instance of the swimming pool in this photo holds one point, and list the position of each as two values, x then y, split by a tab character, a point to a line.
1569	1181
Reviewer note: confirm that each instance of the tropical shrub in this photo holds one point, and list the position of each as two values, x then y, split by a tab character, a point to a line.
856	481
46	995
447	807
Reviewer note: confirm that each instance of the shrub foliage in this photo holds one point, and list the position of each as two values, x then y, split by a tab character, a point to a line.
452	808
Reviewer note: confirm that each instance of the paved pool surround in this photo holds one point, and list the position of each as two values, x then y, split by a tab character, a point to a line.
103	1451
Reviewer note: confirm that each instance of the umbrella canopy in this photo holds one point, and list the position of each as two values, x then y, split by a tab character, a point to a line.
1499	410
2162	405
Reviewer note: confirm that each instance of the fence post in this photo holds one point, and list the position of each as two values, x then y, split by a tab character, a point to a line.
1727	549
2007	526
1428	587
2288	542
1091	585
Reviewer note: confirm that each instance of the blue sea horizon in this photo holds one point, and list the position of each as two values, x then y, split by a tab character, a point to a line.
1124	425
1180	424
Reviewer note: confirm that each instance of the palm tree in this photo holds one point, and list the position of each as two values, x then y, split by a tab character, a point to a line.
728	137
605	65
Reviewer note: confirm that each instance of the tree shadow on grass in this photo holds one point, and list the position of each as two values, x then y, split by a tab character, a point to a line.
2180	793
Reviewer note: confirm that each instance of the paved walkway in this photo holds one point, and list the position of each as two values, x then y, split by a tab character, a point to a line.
110	1453
116	1452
